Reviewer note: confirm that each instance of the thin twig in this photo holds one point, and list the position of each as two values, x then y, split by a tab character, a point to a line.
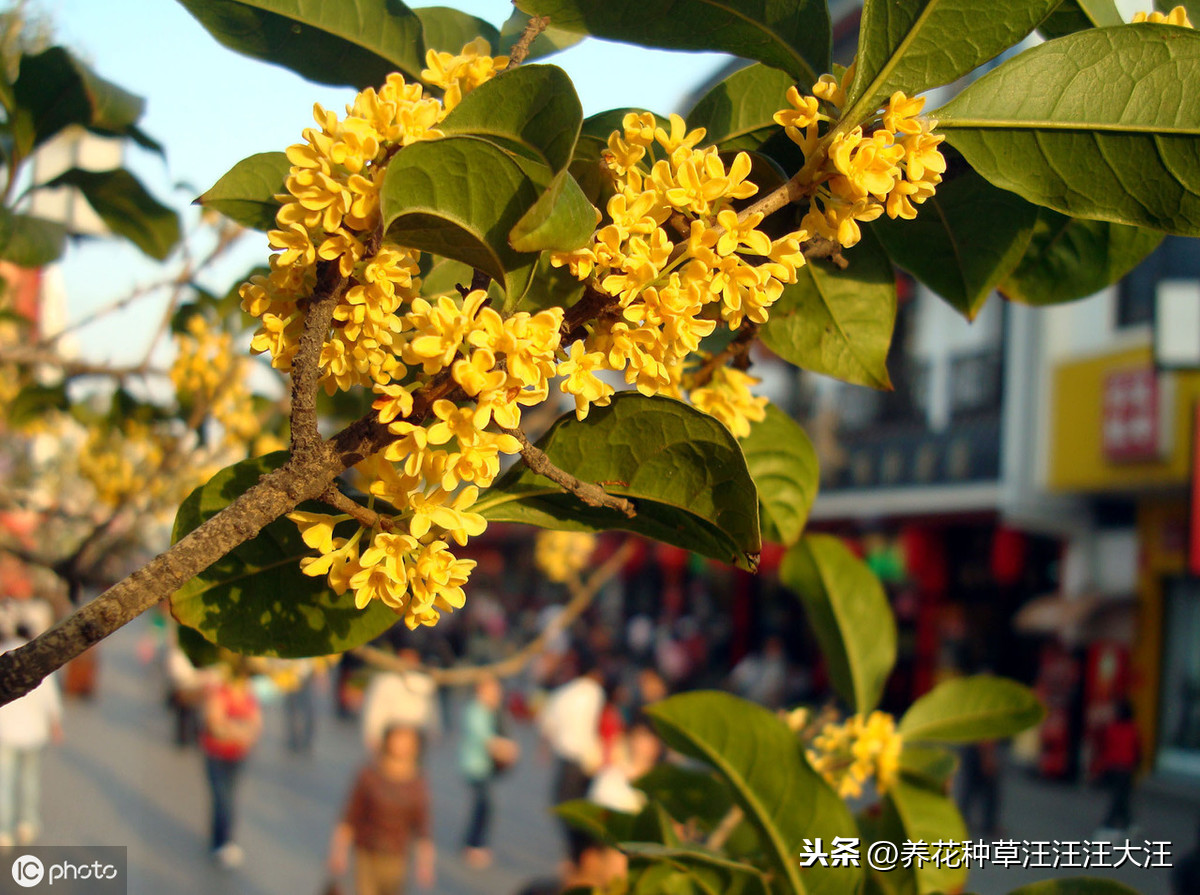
582	595
593	495
354	509
738	347
520	50
722	831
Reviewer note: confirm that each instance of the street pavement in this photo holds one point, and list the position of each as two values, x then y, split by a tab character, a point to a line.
119	780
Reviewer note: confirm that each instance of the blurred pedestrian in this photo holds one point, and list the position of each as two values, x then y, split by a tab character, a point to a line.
636	752
1120	755
387	818
570	725
981	764
483	753
299	703
26	726
232	725
186	686
405	697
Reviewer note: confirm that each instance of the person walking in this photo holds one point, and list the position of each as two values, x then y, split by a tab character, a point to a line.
570	726
1120	755
26	726
483	753
407	697
232	725
387	818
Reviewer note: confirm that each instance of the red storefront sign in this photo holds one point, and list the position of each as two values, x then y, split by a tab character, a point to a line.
1133	408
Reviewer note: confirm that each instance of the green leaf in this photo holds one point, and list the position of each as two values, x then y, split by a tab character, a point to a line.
551	40
126	208
687	794
199	651
35	401
27	241
355	42
599	822
793	35
551	287
717	870
58	90
1076	15
255	600
929	816
838	322
459	198
1068	258
1111	133
916	45
929	766
739	113
562	220
1075	885
762	762
849	614
683	471
783	464
532	109
964	241
246	193
967	709
449	30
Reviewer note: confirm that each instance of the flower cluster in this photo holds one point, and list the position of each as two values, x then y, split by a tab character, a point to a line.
677	257
123	463
862	748
560	555
387	337
1177	16
888	165
207	374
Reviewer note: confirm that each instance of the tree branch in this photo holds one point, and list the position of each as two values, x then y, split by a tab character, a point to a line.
354	509
306	365
738	347
582	595
520	50
593	495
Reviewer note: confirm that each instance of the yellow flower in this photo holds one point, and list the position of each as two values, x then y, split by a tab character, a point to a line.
559	555
581	381
1177	16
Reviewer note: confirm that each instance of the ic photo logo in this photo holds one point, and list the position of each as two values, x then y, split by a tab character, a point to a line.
27	871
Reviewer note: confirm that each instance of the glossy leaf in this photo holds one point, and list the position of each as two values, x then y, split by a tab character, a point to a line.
783	464
929	816
533	109
916	45
761	761
354	42
717	869
599	822
459	198
551	40
928	766
849	614
448	30
255	600
687	794
1068	258
28	241
838	322
1075	885
683	471
200	652
1111	133
246	193
793	35
964	240
1076	15
127	208
967	709
58	90
738	113
561	220
551	287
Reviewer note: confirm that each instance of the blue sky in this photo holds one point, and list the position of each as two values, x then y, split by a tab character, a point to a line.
210	107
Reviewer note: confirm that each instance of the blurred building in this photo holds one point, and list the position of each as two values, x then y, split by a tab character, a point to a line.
1121	387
